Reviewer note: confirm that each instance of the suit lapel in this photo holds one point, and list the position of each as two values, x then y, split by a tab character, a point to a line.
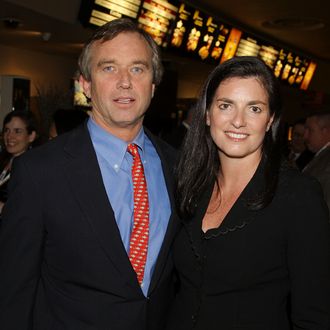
173	223
84	176
193	225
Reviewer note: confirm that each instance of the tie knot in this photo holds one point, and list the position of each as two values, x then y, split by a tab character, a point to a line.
132	149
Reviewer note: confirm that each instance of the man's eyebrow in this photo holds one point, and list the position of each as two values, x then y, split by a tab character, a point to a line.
102	62
110	61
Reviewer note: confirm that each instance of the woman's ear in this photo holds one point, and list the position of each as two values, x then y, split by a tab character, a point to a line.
271	119
32	136
207	118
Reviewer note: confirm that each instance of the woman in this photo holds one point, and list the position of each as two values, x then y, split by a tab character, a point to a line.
253	252
18	133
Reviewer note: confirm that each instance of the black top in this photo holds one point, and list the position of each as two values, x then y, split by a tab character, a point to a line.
243	274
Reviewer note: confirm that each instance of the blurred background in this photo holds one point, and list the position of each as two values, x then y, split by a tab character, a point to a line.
40	41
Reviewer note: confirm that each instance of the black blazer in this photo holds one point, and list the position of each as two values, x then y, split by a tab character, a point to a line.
62	262
260	270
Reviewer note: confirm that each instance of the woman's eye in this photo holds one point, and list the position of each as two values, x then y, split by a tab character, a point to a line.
255	109
224	106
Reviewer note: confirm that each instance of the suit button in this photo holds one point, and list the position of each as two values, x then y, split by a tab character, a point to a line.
193	317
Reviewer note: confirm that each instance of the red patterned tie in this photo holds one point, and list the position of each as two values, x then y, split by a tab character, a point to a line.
140	233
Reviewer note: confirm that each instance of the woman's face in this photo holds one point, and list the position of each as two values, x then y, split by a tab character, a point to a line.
16	137
239	117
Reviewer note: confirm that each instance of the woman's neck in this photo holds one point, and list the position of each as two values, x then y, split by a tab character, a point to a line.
237	172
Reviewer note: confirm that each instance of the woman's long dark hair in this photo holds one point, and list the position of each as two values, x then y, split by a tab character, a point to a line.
199	163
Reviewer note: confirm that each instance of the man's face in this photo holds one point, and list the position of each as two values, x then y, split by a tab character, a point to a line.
314	135
121	85
297	142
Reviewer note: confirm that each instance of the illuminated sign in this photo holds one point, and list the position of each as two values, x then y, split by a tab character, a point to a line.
182	28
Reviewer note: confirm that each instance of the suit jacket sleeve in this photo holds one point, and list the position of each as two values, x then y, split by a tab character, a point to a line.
21	240
309	258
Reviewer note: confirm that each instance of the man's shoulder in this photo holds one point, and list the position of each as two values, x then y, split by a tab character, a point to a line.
164	150
322	160
52	150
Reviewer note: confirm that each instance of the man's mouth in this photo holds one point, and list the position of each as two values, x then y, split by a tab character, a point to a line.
124	100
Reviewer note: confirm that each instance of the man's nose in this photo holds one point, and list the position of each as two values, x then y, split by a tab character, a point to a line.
124	80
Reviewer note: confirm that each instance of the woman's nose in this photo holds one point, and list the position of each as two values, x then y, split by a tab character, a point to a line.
238	119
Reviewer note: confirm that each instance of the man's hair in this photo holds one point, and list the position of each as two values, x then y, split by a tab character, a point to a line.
111	30
323	119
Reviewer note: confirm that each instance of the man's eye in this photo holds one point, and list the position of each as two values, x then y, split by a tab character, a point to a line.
137	69
108	68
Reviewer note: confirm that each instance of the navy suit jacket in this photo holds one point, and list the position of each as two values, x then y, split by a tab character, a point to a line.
62	262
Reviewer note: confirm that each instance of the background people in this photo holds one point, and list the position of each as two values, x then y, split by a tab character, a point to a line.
317	138
255	236
19	131
299	155
175	136
66	241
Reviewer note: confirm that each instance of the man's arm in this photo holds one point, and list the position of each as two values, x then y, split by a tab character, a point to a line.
21	240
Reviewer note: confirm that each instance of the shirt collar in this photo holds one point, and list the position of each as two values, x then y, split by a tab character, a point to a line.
111	147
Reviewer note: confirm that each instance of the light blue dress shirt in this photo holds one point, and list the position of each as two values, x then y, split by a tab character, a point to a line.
115	164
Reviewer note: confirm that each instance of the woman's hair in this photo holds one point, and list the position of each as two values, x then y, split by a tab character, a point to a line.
26	116
111	30
199	164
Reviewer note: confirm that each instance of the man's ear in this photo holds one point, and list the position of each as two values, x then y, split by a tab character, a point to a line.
153	90
85	85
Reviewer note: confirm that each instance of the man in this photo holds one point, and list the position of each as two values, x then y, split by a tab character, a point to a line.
176	136
66	241
317	138
299	155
